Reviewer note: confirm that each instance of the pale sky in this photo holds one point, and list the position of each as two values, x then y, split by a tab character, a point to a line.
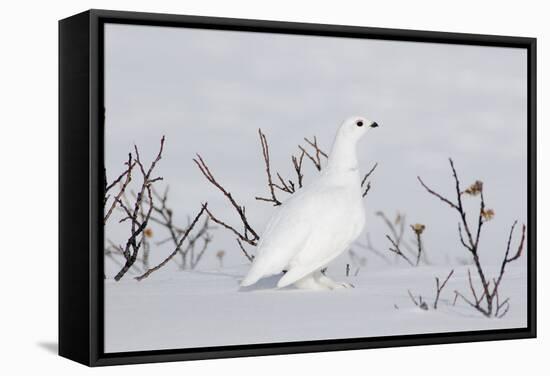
209	91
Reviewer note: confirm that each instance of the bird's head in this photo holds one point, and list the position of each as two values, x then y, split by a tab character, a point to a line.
354	127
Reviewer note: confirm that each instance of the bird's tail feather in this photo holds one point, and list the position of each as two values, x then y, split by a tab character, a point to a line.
260	268
250	279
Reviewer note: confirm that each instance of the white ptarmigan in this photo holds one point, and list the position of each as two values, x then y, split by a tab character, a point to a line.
319	222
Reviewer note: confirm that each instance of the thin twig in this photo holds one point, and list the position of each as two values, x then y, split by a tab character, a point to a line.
189	228
318	153
370	247
246	254
439	287
247	228
506	260
316	147
397	250
366	185
445	200
265	153
297	163
128	174
419	245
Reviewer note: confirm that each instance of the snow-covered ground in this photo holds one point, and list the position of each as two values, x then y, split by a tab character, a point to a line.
206	308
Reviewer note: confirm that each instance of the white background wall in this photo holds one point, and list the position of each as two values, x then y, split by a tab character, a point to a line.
28	189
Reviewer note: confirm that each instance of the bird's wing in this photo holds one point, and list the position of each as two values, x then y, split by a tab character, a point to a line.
336	227
286	232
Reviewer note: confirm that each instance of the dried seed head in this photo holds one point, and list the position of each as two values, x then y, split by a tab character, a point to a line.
475	189
488	214
418	228
220	254
148	233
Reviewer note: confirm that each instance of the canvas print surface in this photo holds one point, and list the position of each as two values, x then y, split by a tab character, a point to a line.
265	188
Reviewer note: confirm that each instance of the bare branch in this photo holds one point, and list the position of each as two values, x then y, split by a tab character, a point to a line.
316	147
472	288
288	188
439	287
520	247
462	239
265	153
418	233
370	247
476	306
506	260
412	298
397	250
128	174
247	255
316	159
149	271
132	245
366	184
147	175
397	235
243	237
444	199
130	165
195	259
368	174
420	303
297	163
247	228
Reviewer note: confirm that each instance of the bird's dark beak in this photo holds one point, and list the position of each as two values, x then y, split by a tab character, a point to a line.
374	124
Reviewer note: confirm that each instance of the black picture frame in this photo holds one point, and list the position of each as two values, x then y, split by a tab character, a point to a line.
81	182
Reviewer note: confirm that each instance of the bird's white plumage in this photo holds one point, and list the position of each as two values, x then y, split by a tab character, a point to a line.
319	221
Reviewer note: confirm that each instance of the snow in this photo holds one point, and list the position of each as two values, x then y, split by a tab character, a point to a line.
184	309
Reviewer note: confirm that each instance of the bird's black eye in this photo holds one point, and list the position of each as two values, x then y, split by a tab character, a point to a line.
359	123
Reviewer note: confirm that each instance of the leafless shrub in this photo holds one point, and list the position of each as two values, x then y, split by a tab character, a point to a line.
135	213
487	301
141	208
